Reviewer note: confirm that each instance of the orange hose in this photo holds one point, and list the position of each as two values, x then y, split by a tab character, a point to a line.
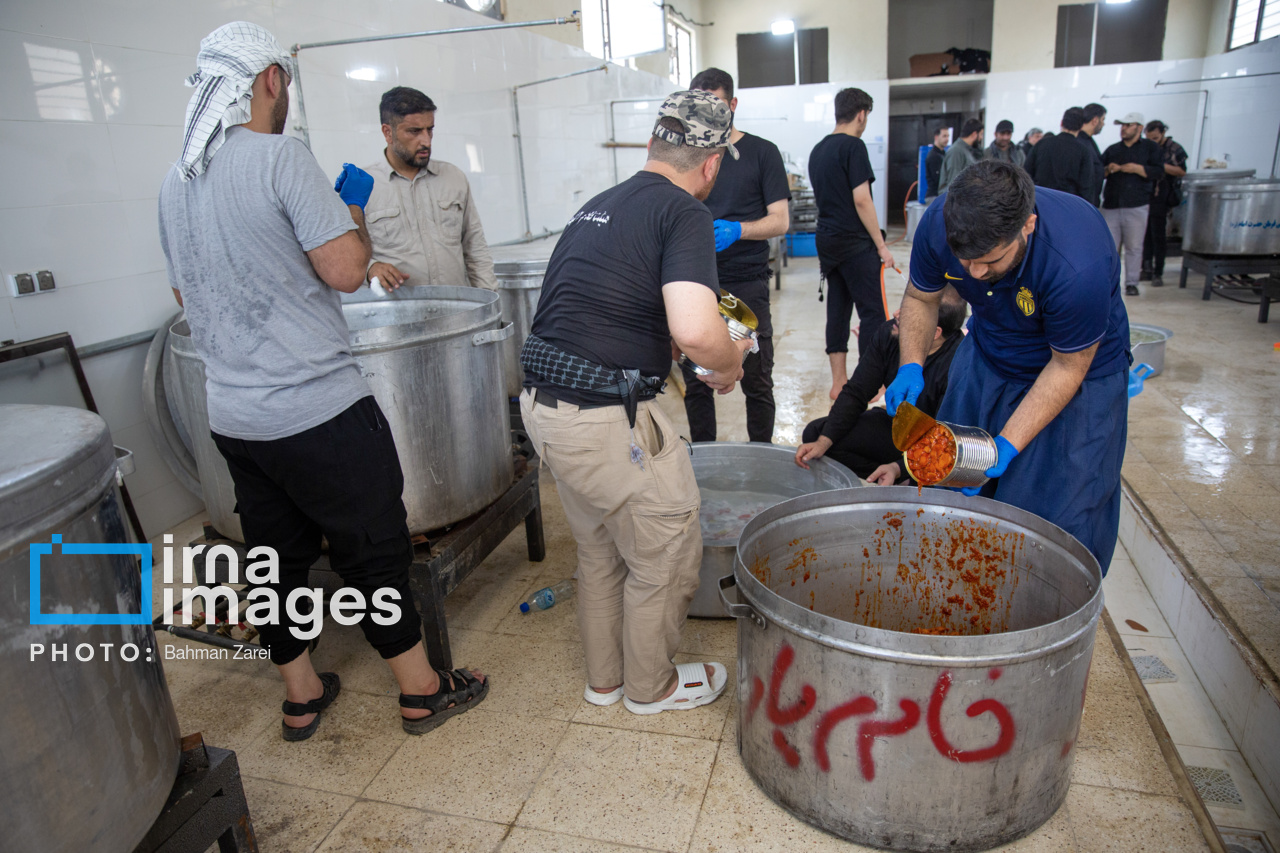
914	183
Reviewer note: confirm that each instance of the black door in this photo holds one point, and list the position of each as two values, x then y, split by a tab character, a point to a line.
906	134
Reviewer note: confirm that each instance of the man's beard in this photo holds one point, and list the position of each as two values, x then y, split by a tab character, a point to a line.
409	157
280	112
1017	261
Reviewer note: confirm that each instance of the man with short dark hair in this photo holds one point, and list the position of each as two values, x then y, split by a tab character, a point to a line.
1002	147
632	283
750	204
1133	165
422	218
1059	161
258	246
933	162
962	154
1045	365
860	438
1165	197
851	248
1095	118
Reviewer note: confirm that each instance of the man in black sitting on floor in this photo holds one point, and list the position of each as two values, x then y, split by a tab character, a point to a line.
860	438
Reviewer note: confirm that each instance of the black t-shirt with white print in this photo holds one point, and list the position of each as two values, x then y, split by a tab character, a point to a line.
602	292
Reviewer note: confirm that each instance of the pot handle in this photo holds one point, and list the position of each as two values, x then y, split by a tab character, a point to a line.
125	464
493	336
736	608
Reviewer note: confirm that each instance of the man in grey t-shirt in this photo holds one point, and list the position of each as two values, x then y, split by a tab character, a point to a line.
258	247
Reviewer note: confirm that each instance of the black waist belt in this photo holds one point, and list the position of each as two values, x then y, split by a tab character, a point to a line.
566	370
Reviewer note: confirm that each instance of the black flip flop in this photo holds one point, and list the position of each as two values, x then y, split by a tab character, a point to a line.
463	698
332	686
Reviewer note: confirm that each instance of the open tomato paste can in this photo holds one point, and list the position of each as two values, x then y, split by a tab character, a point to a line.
955	456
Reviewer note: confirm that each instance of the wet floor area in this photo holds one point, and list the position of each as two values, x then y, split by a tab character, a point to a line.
535	768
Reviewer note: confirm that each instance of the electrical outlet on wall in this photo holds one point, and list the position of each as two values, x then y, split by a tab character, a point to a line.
21	284
44	280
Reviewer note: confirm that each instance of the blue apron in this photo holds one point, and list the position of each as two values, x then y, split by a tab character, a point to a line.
1070	473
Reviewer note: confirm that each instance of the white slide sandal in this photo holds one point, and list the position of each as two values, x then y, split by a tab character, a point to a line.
597	698
692	690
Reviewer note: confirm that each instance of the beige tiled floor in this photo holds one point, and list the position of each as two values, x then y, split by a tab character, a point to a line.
535	768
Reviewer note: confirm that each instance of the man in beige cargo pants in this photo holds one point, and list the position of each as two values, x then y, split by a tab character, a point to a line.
632	280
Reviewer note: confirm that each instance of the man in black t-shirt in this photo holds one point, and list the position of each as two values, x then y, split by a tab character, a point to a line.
851	249
631	283
1133	165
1095	118
933	163
749	203
1060	162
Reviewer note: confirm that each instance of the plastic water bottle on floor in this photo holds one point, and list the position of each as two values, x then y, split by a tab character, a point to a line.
548	596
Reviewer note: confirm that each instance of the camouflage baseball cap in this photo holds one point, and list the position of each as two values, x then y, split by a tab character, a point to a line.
707	120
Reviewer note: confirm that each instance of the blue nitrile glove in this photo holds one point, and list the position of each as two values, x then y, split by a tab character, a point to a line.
727	233
905	387
354	185
1004	455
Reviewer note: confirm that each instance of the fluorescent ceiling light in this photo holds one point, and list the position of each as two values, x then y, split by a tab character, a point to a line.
783	28
1110	2
363	74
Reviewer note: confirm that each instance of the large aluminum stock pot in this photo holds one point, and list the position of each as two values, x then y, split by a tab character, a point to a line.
519	271
1233	218
432	358
89	741
736	481
912	669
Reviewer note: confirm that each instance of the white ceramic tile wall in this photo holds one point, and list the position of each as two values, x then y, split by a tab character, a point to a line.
796	118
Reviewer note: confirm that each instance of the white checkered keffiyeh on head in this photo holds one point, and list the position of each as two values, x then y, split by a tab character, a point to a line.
230	58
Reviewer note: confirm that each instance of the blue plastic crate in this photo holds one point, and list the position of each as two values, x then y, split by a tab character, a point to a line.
801	246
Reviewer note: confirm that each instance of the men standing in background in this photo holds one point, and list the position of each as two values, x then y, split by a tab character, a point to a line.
851	249
1029	141
633	278
258	247
422	219
964	152
1165	197
1133	165
1060	162
933	162
1002	147
1095	118
749	204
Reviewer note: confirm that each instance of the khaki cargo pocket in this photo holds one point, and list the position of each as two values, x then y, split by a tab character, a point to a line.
666	539
451	220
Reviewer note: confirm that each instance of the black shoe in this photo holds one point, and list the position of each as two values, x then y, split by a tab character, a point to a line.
1157	280
332	686
1145	275
1131	290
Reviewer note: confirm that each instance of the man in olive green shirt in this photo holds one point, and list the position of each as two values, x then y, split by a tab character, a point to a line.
421	217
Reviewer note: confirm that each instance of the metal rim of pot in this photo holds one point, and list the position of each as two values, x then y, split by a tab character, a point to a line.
387	337
162	423
763	606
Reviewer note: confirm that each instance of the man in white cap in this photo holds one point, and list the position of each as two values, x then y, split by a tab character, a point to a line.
258	247
1132	166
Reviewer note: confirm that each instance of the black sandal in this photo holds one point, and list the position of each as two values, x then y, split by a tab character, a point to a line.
332	686
463	698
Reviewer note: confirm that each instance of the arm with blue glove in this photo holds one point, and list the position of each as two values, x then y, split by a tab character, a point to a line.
776	221
343	261
917	320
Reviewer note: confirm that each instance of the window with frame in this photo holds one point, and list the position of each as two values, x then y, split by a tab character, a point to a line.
680	49
1253	21
618	30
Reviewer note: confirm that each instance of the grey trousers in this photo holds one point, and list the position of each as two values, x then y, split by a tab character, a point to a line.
1129	229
